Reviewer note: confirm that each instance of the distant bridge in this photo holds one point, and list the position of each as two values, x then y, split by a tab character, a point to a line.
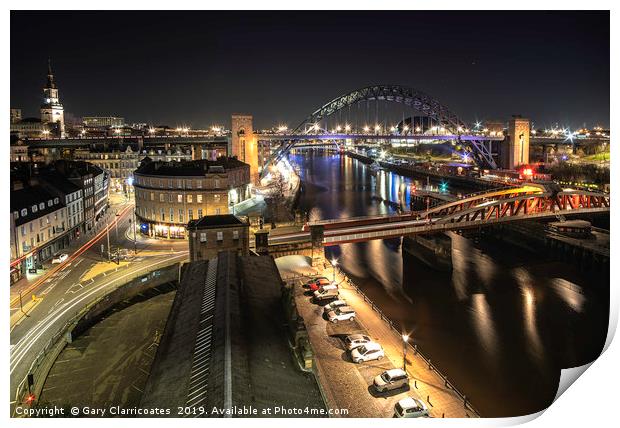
482	209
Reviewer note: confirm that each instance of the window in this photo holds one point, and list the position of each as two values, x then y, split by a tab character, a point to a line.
189	199
24	212
199	212
198	184
152	196
216	198
199	199
203	237
161	197
15	215
179	198
180	184
163	215
190	214
220	236
23	230
34	209
217	211
235	234
181	216
55	200
171	214
216	183
189	184
170	197
49	203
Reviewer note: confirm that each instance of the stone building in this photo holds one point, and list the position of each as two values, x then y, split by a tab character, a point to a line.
214	233
170	194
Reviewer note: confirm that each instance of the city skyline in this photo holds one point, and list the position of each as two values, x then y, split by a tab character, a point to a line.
199	78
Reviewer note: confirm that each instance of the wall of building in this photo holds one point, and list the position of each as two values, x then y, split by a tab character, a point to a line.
244	144
205	244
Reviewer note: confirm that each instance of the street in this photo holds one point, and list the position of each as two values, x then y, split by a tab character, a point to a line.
62	293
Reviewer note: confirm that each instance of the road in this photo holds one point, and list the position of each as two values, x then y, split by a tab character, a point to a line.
61	294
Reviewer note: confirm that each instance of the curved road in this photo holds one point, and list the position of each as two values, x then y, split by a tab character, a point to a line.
62	294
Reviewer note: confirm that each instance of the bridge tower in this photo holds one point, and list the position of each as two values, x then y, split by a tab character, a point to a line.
52	111
244	143
517	144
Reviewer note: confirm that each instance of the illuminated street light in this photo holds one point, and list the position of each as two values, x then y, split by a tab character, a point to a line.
334	264
405	340
46	132
216	129
366	129
377	128
393	129
347	127
282	128
338	128
417	129
151	130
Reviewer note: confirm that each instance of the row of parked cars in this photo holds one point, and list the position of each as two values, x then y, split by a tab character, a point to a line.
362	348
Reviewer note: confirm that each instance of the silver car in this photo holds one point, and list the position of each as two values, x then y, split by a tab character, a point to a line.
354	340
391	379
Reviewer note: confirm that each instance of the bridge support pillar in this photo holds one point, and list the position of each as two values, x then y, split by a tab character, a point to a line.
317	233
262	242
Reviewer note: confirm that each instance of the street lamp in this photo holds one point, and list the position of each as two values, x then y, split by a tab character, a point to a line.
347	127
334	264
405	339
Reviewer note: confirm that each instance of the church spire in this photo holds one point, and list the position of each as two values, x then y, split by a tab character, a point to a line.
50	76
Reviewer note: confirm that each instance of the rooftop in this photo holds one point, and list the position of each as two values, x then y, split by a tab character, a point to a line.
28	197
215	221
188	168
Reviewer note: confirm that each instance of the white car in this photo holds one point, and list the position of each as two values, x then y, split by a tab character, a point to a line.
410	408
326	295
59	258
368	352
333	305
342	313
325	288
354	340
391	379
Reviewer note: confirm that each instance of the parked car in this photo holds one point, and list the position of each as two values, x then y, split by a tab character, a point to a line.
354	340
410	408
391	379
317	278
342	313
324	288
333	305
326	295
315	285
59	258
367	352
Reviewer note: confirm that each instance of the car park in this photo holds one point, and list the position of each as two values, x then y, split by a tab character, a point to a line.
323	289
367	352
343	313
59	258
410	408
354	340
391	379
333	305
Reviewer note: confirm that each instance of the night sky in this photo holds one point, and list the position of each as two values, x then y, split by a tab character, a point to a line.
196	68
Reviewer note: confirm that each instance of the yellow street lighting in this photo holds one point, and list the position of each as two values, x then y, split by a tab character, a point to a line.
347	127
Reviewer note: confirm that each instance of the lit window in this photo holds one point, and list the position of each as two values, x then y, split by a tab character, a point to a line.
179	198
235	234
161	197
199	199
203	237
220	236
199	212
189	199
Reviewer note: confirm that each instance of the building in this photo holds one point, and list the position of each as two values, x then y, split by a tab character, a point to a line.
214	233
229	344
119	163
103	121
71	195
94	183
52	111
30	127
38	228
19	152
515	150
170	194
244	144
16	115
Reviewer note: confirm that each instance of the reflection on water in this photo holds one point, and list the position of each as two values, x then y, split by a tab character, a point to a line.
501	325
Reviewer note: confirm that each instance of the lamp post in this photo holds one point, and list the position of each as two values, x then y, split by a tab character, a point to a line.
405	339
334	264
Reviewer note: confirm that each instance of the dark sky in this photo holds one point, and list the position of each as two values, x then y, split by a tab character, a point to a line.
196	68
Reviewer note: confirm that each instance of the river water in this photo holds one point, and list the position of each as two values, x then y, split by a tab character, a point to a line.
501	324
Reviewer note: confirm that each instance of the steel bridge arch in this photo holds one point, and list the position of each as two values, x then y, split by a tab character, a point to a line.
411	97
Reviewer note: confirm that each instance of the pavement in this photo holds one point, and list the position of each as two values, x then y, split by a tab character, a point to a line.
348	385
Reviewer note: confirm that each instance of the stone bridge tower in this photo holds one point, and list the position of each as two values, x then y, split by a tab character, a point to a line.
244	143
517	144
